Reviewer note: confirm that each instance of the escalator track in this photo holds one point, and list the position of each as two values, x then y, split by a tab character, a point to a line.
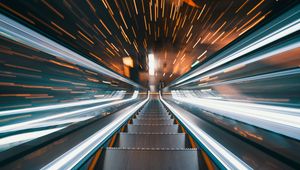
152	139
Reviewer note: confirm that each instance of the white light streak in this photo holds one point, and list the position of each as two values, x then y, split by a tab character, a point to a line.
44	120
71	158
195	63
24	35
118	95
224	156
11	141
278	119
151	64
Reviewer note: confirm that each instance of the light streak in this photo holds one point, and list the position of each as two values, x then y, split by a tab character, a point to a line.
201	55
276	31
278	119
224	156
11	141
72	157
33	39
151	64
27	124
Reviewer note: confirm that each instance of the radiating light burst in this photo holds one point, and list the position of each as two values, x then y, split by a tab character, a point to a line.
107	31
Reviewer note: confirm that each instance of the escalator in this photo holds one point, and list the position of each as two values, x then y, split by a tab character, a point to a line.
152	139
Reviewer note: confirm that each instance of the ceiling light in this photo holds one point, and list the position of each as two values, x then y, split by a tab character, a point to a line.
128	61
151	63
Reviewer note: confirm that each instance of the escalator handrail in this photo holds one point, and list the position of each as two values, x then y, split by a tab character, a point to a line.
224	157
80	152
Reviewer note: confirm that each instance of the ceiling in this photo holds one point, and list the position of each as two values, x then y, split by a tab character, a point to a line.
180	33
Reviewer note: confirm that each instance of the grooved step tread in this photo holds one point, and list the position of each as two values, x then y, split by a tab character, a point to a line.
153	128
154	114
153	117
141	122
152	149
151	140
149	159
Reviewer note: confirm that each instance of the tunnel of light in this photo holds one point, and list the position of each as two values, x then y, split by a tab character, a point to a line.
150	84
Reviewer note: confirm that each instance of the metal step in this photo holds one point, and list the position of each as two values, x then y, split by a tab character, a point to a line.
152	128
151	140
153	117
151	122
153	114
137	159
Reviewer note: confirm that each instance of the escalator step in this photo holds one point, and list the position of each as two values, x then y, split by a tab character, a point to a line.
151	140
153	114
160	122
149	159
154	117
152	128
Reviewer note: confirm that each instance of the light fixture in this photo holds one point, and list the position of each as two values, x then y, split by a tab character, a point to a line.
128	61
151	63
